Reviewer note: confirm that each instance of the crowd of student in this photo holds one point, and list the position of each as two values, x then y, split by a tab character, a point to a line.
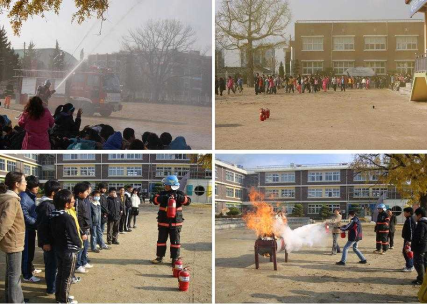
66	224
38	129
414	234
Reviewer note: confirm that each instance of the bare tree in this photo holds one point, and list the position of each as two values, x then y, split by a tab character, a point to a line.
157	46
251	25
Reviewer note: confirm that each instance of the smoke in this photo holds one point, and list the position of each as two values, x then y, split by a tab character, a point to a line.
305	236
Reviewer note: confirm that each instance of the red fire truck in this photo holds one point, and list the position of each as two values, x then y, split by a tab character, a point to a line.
95	91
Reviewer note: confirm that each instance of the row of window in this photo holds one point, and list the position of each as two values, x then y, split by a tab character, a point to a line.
124	156
340	67
315	208
333	176
371	43
233	177
10	165
325	193
234	193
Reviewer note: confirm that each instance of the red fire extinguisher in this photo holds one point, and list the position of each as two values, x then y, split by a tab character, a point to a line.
327	228
261	115
184	279
177	267
409	252
343	234
171	212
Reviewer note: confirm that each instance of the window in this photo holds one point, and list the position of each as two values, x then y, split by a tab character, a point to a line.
68	186
375	43
405	67
377	192
377	66
216	173
340	67
11	166
27	170
333	207
199	190
116	171
332	176
290	193
272	193
124	156
314	192
407	43
79	157
312	67
2	165
312	43
163	171
229	176
230	192
171	157
87	171
35	171
287	177
361	192
359	177
238	178
134	171
332	192
70	171
181	156
208	174
315	176
48	175
181	171
216	190
314	209
343	43
238	193
272	178
116	185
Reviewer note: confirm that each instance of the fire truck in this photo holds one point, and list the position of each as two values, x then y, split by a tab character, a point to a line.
96	90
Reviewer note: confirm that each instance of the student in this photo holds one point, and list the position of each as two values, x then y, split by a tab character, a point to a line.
43	210
354	229
115	212
67	243
36	120
128	193
28	205
166	139
81	192
102	188
169	226
392	227
336	222
95	231
419	245
65	125
136	201
124	203
128	138
12	234
407	234
382	229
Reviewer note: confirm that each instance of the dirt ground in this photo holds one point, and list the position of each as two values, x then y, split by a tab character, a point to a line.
192	122
321	121
310	275
125	274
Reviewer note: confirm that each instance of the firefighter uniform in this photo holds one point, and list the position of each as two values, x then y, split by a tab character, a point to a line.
170	226
382	230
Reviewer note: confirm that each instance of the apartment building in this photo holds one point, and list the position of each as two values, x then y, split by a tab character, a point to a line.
26	163
383	45
312	186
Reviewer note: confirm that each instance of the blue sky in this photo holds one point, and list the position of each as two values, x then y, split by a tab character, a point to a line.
255	160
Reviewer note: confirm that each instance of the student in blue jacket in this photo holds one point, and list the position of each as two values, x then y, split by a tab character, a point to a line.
354	229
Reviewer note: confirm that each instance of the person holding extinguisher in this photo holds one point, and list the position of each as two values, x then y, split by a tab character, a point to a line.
170	218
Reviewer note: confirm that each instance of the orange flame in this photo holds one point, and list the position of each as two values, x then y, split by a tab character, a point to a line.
262	219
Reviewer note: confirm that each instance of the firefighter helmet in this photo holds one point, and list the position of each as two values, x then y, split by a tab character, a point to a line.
172	181
381	206
47	83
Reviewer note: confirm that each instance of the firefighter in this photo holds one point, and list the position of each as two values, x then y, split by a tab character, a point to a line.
44	91
382	229
169	226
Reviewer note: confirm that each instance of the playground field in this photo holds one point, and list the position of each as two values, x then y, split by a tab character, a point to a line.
351	120
311	275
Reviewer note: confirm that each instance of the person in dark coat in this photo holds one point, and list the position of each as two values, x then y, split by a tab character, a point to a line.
45	241
382	229
392	230
221	85
354	229
115	211
407	234
65	125
102	188
28	205
419	245
168	226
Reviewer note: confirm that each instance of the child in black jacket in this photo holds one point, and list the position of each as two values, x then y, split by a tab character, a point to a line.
67	243
407	234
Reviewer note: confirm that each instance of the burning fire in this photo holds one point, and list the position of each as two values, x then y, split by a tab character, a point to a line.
263	219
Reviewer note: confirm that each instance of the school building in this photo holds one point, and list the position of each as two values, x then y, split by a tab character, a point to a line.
335	185
144	171
383	45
